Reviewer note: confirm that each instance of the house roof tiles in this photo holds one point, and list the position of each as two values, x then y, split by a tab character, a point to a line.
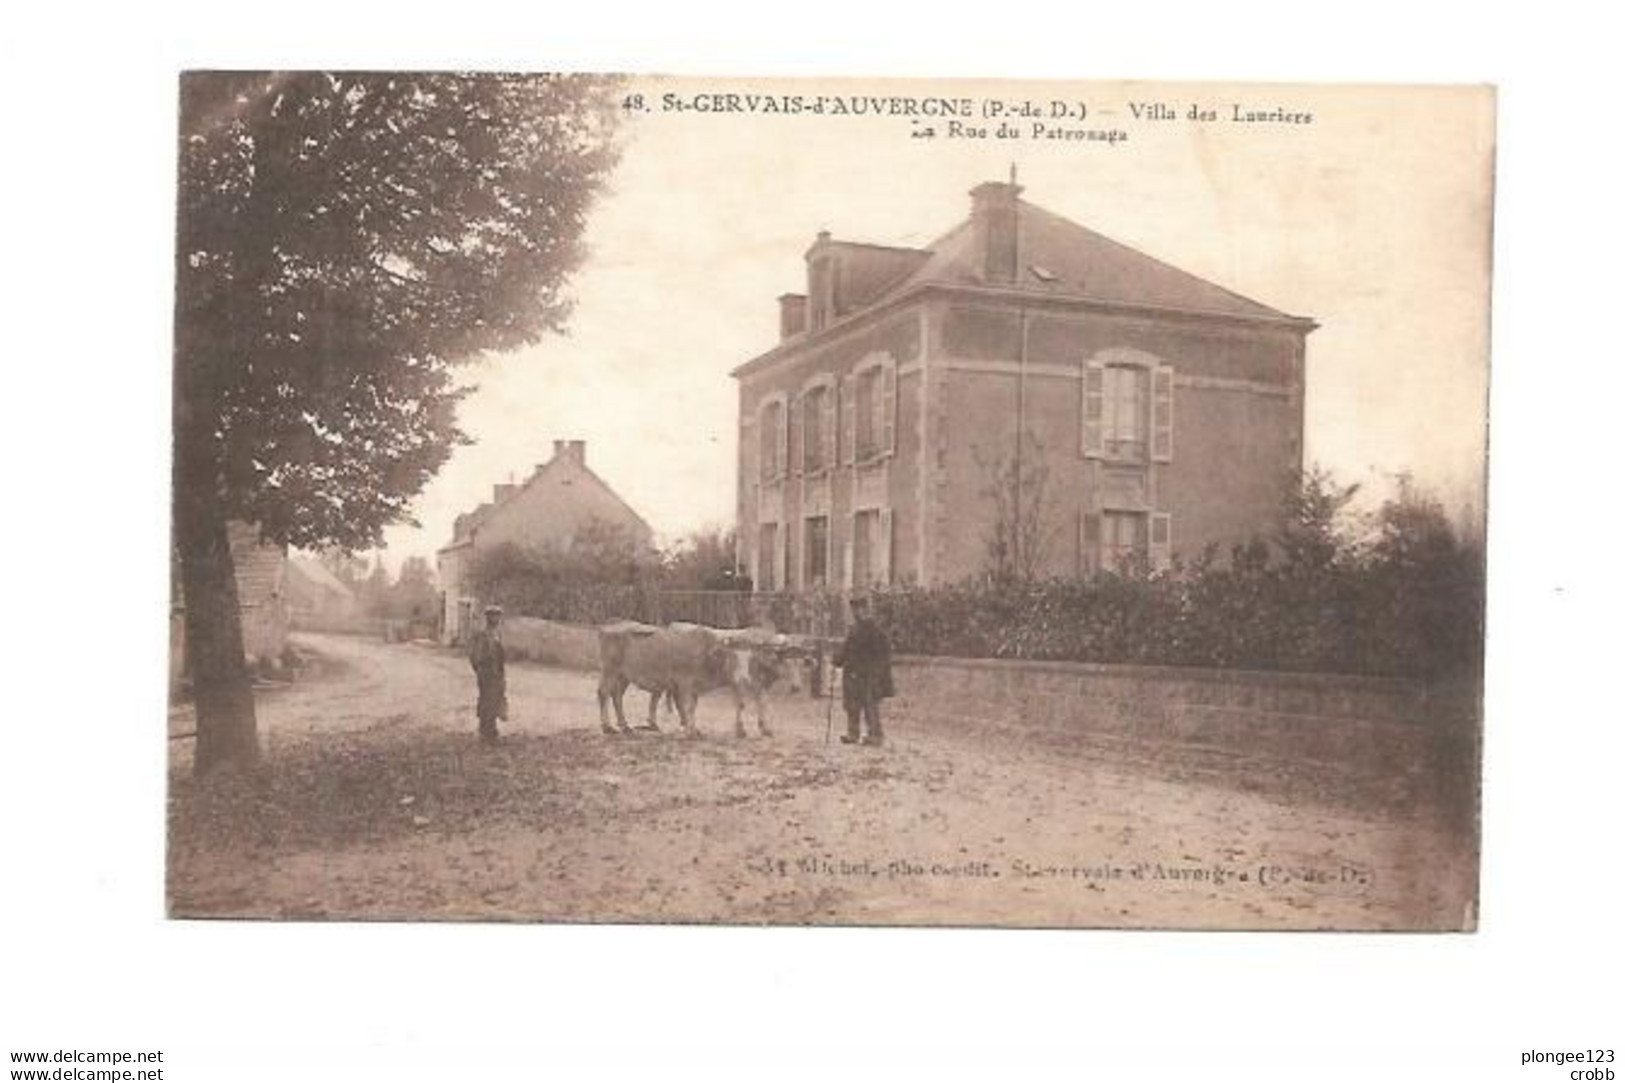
1061	260
1074	261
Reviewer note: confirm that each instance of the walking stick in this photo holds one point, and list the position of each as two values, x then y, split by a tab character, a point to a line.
829	707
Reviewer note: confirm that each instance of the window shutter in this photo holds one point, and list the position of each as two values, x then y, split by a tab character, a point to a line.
764	446
885	545
828	450
797	573
781	438
1162	547
1094	409
781	558
1162	414
851	552
793	436
830	551
888	408
849	420
1089	540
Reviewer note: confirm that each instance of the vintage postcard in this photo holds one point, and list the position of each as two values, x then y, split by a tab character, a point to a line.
848	502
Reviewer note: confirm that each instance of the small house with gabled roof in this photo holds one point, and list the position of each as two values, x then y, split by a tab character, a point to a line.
561	503
1022	394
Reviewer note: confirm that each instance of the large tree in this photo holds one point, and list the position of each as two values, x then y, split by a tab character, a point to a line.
343	242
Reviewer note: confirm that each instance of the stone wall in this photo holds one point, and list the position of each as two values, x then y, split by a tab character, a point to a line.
572	645
1396	730
1365	725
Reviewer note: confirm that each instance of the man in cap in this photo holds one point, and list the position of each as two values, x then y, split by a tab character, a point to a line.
865	663
486	655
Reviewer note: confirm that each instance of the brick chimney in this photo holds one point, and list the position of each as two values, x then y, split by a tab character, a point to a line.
821	286
792	315
994	214
571	451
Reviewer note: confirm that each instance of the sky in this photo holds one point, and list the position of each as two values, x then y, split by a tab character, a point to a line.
1371	219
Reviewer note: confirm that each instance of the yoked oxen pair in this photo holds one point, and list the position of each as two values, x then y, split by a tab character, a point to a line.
681	662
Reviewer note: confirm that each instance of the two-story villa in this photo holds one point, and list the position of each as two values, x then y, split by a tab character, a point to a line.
917	396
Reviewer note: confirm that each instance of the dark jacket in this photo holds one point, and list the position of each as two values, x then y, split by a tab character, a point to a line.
865	661
490	664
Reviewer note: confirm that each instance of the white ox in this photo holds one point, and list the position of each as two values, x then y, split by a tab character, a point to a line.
682	661
759	661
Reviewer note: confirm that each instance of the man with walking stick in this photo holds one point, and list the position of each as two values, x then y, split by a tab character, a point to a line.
865	663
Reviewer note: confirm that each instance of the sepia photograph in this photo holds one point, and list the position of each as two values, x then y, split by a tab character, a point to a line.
642	499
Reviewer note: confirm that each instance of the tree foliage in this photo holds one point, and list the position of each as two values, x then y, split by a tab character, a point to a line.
347	567
1315	529
411	596
598	554
705	560
343	242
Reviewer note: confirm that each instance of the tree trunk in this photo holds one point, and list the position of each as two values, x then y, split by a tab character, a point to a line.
221	690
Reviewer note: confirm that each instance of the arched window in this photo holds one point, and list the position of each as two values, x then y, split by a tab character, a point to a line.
817	439
871	408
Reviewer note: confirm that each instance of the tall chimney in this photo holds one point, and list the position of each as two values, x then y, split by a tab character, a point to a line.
792	315
570	450
994	211
821	270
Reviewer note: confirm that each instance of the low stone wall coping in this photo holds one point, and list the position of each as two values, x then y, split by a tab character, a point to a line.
1133	671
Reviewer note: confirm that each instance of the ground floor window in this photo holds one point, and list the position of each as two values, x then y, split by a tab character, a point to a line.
1123	538
866	564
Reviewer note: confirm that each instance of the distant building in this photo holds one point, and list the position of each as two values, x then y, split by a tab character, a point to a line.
262	604
561	502
1165	412
315	592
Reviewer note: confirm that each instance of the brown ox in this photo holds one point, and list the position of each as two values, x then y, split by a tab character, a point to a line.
679	663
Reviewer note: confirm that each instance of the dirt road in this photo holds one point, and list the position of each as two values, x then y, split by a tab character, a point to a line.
379	803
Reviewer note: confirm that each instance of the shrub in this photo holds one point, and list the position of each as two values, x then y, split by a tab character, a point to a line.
1403	598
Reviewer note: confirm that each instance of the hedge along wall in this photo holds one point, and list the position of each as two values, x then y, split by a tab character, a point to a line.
1418	620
